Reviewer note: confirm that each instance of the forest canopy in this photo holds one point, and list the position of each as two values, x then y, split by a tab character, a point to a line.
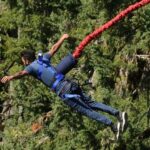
117	64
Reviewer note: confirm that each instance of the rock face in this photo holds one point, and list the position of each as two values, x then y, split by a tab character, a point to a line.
129	80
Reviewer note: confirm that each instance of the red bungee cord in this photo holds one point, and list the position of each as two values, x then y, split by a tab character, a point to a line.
78	50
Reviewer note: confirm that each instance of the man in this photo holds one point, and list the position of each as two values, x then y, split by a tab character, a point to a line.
67	90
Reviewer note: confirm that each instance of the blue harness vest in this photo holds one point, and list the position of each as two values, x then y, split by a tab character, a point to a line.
55	78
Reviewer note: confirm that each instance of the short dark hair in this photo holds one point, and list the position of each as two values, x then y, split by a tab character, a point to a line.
28	54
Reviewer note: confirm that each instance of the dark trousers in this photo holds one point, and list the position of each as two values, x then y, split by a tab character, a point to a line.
76	99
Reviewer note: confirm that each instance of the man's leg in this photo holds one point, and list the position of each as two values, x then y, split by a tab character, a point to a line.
121	116
83	108
99	106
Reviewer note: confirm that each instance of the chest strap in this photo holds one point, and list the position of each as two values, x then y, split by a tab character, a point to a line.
58	78
40	69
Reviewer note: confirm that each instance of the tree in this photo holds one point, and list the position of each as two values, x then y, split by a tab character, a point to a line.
114	63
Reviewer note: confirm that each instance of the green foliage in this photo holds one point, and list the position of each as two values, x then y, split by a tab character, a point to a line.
112	58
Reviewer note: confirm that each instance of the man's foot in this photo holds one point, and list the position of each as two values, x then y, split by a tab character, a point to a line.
116	129
122	117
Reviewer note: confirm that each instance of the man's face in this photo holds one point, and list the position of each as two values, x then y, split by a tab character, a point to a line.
24	61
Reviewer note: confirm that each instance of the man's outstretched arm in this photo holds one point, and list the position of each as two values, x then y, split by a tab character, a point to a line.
57	45
18	75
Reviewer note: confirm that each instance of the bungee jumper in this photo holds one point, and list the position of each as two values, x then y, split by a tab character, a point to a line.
68	90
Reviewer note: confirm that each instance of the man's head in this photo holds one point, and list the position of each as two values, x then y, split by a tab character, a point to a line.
27	56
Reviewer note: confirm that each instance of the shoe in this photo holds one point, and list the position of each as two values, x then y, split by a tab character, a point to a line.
116	129
122	117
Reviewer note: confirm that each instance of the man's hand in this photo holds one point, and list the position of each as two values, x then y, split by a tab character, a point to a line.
6	79
65	36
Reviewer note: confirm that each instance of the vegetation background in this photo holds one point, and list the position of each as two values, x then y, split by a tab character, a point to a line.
117	63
